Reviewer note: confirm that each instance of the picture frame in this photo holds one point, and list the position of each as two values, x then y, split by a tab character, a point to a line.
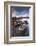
18	18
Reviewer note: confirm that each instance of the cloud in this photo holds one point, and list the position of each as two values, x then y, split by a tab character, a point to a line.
24	13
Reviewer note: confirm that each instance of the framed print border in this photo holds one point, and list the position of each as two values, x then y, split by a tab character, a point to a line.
6	38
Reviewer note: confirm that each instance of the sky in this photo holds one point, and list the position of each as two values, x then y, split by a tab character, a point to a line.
21	10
